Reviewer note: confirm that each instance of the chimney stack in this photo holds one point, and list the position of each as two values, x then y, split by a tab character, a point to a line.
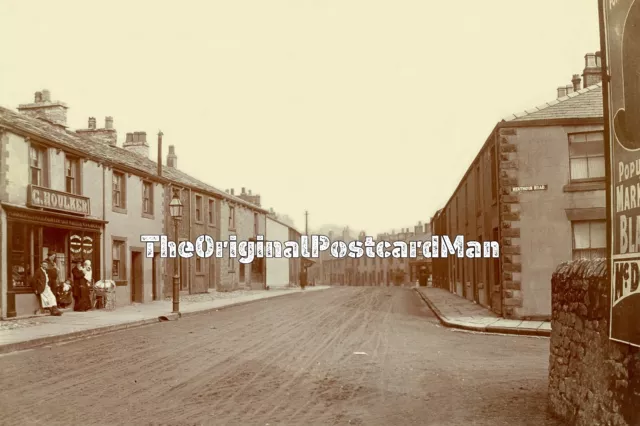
107	136
249	192
592	73
569	88
172	158
232	191
243	191
160	152
137	143
562	92
52	112
576	82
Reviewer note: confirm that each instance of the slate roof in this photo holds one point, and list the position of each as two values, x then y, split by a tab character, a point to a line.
113	155
585	103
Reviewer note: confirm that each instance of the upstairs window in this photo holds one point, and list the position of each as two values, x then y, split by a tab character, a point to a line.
37	171
586	156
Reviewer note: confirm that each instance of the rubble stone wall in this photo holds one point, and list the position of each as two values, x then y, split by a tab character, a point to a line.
592	380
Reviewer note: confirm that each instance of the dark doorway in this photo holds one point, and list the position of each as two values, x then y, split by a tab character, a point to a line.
184	274
212	273
155	274
136	277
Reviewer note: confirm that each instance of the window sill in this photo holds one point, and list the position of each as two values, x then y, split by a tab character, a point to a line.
588	185
232	230
200	274
119	210
198	222
148	216
212	225
121	283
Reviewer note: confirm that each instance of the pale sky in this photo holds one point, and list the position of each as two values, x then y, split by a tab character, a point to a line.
367	113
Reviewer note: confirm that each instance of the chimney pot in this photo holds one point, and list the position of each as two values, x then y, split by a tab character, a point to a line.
232	191
108	122
576	82
172	159
92	123
569	88
46	96
243	191
562	92
38	97
249	192
130	137
590	60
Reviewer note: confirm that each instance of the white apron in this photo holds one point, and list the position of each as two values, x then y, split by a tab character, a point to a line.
48	298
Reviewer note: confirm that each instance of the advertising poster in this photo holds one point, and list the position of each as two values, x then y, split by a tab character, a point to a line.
622	36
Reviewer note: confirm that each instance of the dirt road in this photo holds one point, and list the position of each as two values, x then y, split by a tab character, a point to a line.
293	360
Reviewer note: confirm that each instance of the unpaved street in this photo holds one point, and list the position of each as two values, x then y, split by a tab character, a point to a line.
285	361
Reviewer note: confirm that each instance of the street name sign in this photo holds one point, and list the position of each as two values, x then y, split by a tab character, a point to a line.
529	188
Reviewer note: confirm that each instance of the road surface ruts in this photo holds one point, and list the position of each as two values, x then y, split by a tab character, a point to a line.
285	361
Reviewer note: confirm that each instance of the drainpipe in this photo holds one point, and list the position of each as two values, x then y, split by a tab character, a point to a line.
104	217
190	267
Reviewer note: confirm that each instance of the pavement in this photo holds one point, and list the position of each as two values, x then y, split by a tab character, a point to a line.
26	333
344	356
457	312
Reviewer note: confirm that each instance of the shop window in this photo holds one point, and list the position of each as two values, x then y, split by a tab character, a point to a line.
72	175
589	239
147	198
118	267
119	191
586	156
37	165
198	211
211	212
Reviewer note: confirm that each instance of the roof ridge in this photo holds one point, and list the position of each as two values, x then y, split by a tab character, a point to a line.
556	101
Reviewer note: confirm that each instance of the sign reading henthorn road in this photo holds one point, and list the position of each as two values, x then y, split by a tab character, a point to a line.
622	37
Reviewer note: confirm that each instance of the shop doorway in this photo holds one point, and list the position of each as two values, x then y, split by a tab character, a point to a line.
136	277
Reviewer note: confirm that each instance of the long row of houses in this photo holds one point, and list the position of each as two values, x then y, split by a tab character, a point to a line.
81	195
537	186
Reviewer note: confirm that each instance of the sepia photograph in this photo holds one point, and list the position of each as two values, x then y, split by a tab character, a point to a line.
383	213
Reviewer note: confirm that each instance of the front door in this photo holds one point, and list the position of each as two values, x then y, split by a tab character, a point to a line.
155	274
136	277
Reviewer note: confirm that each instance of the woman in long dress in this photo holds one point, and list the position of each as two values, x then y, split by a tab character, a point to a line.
81	287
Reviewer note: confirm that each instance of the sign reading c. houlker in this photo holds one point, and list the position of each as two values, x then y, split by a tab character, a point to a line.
622	38
56	200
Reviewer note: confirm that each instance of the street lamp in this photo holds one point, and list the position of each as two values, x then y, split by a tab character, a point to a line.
175	209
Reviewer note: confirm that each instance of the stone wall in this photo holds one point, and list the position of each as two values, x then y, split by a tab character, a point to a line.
592	380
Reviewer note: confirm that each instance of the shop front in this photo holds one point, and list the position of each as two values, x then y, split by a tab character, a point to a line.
43	227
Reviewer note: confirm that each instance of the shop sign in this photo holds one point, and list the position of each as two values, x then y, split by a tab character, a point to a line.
50	199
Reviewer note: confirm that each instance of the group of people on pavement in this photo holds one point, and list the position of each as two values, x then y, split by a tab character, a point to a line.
54	292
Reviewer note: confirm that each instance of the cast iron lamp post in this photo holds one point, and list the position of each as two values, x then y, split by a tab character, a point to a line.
175	209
